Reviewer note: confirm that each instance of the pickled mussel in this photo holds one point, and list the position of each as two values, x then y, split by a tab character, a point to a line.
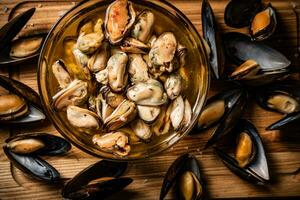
99	180
259	64
249	162
23	151
120	17
185	174
213	38
126	89
263	24
223	109
283	98
22	106
143	27
24	47
239	14
115	142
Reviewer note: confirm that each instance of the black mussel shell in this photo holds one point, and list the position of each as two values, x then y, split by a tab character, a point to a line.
289	120
183	163
100	190
172	174
53	145
7	59
257	170
213	38
230	97
33	166
21	89
259	33
103	168
239	48
239	13
289	89
34	115
13	27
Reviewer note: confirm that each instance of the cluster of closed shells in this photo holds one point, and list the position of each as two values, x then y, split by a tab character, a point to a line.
119	80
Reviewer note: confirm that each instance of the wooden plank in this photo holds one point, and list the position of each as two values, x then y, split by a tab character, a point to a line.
282	148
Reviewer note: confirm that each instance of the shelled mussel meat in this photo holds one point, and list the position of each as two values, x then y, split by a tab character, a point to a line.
249	162
185	174
23	151
115	142
148	113
283	98
120	17
99	180
141	130
143	27
223	109
213	38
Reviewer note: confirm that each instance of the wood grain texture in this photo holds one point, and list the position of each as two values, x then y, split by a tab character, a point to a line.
283	148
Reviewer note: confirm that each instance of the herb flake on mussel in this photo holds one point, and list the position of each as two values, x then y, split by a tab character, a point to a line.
250	161
239	14
185	175
282	97
213	38
224	109
98	180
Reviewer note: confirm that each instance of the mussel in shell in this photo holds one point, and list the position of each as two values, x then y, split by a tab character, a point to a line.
263	24
239	14
22	106
185	174
38	144
33	166
224	109
99	180
259	64
213	38
250	161
283	98
22	48
120	17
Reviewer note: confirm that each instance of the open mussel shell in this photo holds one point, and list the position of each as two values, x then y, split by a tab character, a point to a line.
239	14
33	166
283	98
22	90
213	38
239	48
236	107
22	49
38	143
256	170
98	170
263	24
13	27
185	174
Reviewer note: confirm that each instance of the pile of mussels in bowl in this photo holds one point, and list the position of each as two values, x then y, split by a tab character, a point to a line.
123	79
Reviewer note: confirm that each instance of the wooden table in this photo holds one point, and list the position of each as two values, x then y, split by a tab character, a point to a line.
283	148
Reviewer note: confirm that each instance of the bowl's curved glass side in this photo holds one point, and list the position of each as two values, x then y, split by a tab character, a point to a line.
201	82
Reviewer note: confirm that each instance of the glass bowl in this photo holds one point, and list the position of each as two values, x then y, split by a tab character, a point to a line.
168	18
